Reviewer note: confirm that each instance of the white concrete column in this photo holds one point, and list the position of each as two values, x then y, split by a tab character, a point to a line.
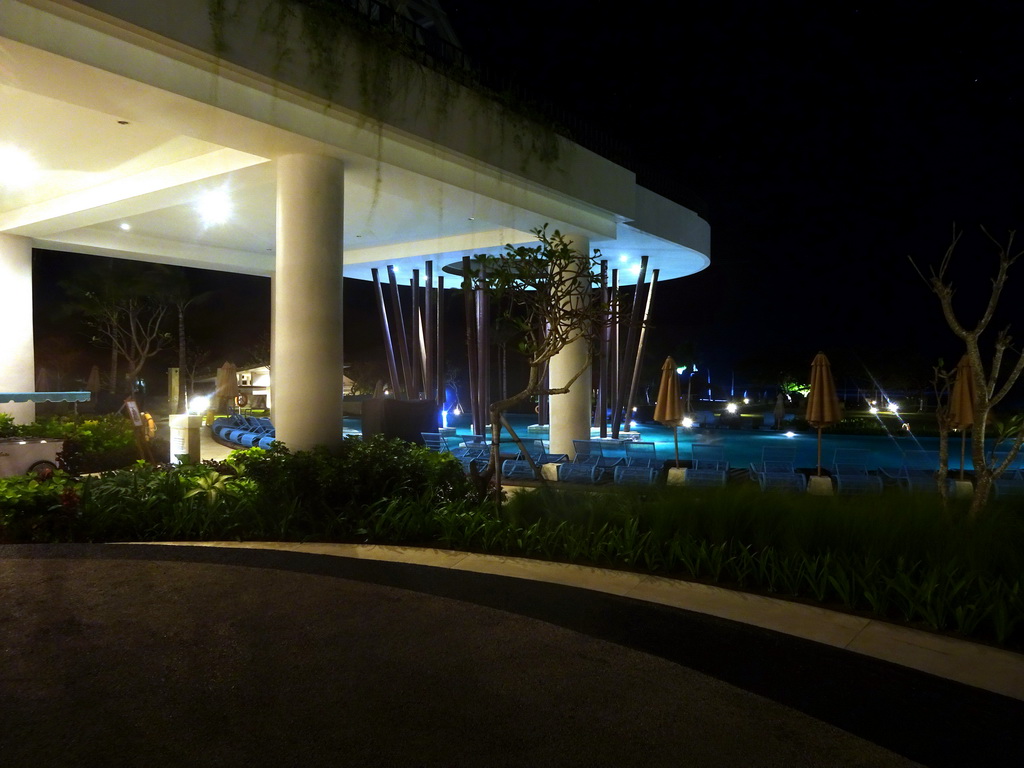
17	352
306	346
570	413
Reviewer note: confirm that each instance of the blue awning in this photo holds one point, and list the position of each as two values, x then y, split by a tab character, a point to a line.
45	397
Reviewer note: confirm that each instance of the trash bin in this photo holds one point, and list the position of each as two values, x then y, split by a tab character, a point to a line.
185	438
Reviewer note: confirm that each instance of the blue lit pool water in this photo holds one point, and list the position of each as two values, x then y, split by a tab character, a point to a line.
744	446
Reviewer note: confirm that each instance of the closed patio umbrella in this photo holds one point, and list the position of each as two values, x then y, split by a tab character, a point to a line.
961	404
93	382
668	410
822	402
227	384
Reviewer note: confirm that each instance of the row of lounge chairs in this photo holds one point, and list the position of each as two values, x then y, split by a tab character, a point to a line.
246	431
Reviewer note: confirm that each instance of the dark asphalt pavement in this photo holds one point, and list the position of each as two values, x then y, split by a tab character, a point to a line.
136	655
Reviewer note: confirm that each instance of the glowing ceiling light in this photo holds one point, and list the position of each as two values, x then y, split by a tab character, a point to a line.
125	226
623	257
635	270
215	207
19	168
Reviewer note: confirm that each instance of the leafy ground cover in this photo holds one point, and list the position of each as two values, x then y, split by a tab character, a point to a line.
900	557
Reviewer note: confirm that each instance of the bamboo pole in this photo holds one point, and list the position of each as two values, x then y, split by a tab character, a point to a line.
416	352
641	343
400	338
389	350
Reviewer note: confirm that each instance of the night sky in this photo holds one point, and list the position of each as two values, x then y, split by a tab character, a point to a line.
825	142
829	141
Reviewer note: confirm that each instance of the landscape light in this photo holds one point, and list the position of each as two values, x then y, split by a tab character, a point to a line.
894	407
791	434
872	410
680	369
732	407
687	422
199	404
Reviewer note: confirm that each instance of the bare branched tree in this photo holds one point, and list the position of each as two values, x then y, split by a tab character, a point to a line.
992	382
545	294
126	311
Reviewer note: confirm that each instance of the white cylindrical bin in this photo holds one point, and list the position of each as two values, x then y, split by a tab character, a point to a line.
185	439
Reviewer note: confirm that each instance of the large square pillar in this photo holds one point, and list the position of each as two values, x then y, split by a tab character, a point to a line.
571	413
306	346
17	353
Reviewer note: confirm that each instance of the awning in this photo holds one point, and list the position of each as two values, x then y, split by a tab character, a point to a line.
45	397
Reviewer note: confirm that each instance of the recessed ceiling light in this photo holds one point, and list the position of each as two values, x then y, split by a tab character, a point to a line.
123	122
19	167
215	207
125	226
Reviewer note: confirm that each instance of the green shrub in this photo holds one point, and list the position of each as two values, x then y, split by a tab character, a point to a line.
345	488
37	510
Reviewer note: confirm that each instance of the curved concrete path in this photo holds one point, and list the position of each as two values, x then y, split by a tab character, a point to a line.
156	655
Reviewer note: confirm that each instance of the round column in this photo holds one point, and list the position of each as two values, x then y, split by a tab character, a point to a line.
306	354
17	352
571	413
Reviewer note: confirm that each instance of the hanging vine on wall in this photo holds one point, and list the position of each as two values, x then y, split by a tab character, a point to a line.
390	67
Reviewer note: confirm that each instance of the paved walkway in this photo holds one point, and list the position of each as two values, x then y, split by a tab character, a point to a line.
155	655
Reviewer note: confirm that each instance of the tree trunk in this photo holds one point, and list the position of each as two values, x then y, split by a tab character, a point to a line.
180	405
113	370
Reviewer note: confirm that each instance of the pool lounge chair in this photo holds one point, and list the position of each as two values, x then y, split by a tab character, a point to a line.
641	455
636	474
708	467
850	472
778	456
592	452
579	473
916	472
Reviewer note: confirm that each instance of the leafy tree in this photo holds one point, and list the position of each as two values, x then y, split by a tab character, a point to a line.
544	292
992	381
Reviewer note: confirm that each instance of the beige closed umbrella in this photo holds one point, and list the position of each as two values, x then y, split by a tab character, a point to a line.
961	404
227	385
822	402
93	382
669	410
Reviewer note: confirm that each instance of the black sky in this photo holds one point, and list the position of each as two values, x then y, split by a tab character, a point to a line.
829	141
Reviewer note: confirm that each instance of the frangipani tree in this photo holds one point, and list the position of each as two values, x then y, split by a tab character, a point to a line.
993	378
544	292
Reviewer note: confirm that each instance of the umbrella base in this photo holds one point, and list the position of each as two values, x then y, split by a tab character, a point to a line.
819	485
961	489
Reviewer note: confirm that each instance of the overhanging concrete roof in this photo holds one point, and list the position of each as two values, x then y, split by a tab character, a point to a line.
129	118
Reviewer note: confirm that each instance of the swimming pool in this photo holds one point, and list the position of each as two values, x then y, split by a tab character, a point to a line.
744	446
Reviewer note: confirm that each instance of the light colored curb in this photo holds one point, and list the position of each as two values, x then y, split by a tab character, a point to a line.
981	666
